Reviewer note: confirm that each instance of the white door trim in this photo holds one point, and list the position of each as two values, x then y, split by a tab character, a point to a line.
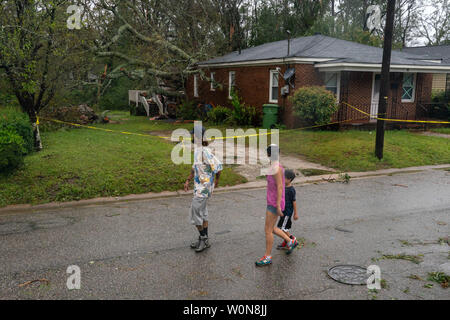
373	106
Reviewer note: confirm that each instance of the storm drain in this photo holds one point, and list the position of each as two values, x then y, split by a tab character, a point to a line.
349	274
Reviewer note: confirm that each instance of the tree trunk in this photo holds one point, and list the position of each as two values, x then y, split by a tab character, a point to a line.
36	133
37	137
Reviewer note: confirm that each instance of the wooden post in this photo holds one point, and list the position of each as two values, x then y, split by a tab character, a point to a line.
385	78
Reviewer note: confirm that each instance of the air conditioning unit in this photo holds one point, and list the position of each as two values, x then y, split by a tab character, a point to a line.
285	90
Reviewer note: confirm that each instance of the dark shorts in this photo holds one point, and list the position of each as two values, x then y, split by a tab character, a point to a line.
272	209
285	223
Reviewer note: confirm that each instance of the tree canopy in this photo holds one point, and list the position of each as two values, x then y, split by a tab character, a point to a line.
155	44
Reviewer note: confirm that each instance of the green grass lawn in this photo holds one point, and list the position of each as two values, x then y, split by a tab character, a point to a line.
354	150
83	163
441	130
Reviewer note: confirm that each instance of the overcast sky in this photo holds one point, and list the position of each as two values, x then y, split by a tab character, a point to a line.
428	10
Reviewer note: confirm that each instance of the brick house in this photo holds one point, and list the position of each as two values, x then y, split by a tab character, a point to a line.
270	73
441	81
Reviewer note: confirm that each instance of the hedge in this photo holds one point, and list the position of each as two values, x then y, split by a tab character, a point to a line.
12	150
314	105
18	122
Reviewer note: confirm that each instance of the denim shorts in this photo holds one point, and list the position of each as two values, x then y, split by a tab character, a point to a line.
272	209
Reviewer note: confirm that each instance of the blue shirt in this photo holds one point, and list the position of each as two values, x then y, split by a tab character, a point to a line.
289	198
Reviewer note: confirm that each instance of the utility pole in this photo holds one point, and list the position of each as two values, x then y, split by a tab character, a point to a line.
289	42
385	78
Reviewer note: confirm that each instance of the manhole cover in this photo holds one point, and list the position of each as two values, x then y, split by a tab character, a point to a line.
349	274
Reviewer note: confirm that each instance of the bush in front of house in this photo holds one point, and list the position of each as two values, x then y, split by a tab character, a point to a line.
187	110
252	116
441	106
314	105
11	119
219	115
12	150
243	115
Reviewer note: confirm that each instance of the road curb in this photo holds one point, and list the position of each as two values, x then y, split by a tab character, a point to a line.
27	208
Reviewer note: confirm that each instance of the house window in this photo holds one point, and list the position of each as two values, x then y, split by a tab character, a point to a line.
196	86
231	83
333	83
273	93
213	85
408	87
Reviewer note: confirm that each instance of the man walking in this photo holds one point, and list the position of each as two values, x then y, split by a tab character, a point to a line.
206	174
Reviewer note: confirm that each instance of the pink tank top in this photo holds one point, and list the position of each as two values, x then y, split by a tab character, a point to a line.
272	190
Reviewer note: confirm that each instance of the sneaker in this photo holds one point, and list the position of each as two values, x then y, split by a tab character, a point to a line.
202	244
282	246
292	247
264	261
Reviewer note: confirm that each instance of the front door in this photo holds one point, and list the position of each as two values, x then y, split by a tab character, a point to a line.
375	96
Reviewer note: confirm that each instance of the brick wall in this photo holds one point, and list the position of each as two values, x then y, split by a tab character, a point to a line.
356	89
252	84
305	75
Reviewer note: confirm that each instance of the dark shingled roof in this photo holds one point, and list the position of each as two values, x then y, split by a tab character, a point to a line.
431	52
319	46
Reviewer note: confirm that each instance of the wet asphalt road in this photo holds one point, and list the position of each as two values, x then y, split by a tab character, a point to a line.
139	250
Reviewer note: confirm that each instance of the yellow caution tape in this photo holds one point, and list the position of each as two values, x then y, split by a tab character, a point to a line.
250	135
102	129
395	120
367	114
163	137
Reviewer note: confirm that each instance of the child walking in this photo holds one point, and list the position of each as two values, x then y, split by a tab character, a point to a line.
206	173
275	206
285	223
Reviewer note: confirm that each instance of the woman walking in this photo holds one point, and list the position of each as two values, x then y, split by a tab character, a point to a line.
275	206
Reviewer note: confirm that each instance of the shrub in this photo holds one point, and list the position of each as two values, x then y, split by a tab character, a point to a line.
441	106
237	111
7	99
13	120
252	116
187	110
314	105
12	150
219	115
243	115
